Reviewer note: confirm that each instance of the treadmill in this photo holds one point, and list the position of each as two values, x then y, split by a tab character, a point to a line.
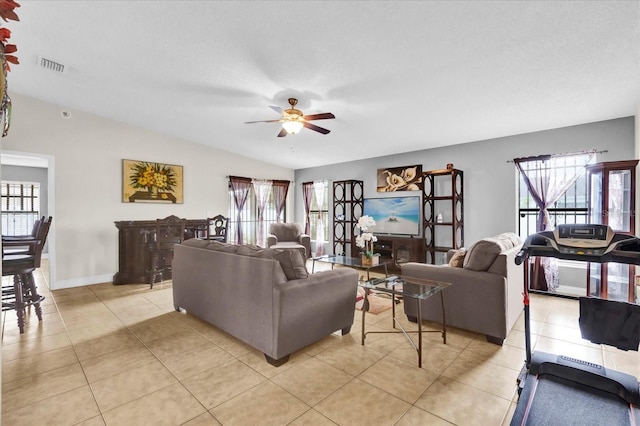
559	390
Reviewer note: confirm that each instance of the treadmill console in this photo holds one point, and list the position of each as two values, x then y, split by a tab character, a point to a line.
583	243
583	239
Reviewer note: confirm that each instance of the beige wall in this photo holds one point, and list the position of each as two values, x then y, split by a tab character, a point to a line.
86	153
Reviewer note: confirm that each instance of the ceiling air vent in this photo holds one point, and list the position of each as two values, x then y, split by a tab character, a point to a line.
50	65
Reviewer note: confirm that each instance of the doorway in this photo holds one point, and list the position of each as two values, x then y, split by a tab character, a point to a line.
25	160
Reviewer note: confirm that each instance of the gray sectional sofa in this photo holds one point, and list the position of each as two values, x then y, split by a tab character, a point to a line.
263	297
486	292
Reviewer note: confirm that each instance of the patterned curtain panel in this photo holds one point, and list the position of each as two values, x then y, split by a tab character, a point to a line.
319	189
547	177
262	189
240	187
280	190
307	193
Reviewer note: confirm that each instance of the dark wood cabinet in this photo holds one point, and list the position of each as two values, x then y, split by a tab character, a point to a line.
133	249
611	188
399	250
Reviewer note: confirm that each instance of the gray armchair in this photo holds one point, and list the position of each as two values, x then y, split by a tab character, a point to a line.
486	292
289	235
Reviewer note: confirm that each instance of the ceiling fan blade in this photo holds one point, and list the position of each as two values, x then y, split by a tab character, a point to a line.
316	128
263	121
276	109
282	133
322	116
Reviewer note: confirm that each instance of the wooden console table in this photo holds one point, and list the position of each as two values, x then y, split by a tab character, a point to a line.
133	248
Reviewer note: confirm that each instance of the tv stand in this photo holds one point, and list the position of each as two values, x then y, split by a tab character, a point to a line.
399	250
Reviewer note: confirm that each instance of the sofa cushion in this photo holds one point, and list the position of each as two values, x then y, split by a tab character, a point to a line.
224	247
210	245
291	245
292	263
457	260
508	240
195	242
481	255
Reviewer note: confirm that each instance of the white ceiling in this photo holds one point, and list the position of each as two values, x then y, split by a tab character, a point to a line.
399	76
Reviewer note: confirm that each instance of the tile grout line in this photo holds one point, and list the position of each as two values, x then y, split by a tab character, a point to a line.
156	358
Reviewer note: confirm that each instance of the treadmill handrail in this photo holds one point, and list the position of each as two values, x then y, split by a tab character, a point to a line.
623	248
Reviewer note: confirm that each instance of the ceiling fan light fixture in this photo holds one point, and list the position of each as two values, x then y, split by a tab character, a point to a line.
293	120
292	127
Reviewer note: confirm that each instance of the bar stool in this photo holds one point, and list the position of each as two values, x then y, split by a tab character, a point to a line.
23	291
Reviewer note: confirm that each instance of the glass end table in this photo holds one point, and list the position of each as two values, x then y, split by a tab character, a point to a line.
412	290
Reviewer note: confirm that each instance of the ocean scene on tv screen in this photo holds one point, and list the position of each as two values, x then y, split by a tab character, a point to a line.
394	215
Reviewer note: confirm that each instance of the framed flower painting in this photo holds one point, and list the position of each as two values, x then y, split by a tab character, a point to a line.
408	178
146	182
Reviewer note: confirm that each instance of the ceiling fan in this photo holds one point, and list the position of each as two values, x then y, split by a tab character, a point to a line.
293	120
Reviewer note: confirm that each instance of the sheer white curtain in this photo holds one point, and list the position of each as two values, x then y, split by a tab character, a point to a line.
319	188
262	189
548	177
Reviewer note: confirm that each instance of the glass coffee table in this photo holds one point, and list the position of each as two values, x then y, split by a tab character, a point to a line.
352	262
412	290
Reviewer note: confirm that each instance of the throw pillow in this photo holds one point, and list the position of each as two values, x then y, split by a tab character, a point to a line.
249	250
481	255
292	263
457	260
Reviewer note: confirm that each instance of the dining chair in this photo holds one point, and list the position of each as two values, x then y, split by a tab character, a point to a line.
169	232
23	291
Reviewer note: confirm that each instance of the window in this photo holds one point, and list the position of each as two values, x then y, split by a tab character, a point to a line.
250	218
320	189
20	207
571	207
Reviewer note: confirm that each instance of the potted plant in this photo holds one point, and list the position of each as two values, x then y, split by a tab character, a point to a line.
366	239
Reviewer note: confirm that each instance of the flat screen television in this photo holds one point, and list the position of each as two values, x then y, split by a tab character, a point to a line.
394	215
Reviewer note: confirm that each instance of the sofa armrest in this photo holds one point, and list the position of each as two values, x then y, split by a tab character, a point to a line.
308	309
271	240
305	240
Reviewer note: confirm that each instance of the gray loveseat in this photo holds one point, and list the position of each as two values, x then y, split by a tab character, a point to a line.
486	292
263	297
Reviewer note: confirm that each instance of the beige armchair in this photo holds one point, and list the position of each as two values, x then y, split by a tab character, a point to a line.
289	235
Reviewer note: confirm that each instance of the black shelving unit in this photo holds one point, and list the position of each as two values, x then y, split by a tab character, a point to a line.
442	213
348	203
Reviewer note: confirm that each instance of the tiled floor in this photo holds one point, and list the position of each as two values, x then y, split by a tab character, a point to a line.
121	355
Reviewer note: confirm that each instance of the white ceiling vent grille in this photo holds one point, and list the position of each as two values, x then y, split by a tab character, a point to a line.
50	65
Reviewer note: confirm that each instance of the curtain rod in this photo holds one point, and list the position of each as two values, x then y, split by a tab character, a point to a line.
563	154
241	177
321	180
